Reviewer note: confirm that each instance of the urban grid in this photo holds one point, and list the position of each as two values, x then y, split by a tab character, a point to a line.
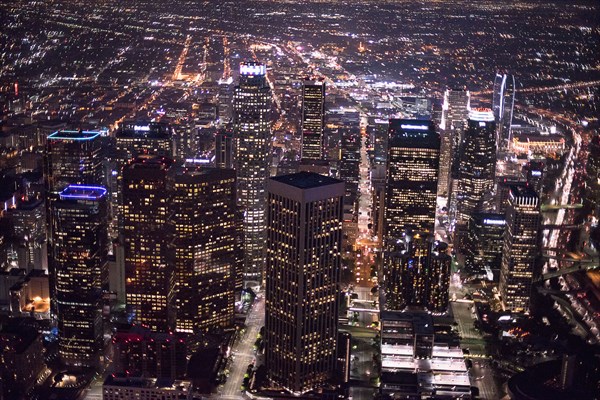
299	199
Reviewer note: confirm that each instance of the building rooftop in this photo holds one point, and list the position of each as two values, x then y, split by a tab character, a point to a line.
306	180
522	191
149	383
74	135
82	192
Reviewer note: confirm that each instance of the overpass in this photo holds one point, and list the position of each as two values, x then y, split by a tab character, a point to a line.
578	265
564	227
556	207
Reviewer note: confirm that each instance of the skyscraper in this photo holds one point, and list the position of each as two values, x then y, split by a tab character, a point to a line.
135	138
147	238
207	258
455	111
521	248
79	258
503	103
71	157
224	148
313	118
477	167
225	100
417	273
303	264
412	175
252	137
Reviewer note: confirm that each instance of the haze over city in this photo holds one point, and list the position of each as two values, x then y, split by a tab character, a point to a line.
299	199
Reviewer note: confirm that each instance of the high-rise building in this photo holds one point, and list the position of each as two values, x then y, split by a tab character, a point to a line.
378	131
417	273
438	278
521	248
207	258
503	103
224	148
71	157
349	171
477	167
484	244
137	351
134	138
455	111
79	258
412	175
252	143
405	271
147	239
303	264
313	118
225	100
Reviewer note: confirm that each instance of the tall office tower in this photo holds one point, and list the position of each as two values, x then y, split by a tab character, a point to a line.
207	258
455	111
136	137
477	167
405	271
445	163
521	248
503	103
417	274
147	239
378	131
225	99
504	184
252	143
303	264
313	118
72	157
535	173
349	171
186	140
483	250
378	202
79	256
224	148
438	278
28	219
412	177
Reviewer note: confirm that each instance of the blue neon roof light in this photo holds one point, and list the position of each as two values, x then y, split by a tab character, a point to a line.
74	135
83	192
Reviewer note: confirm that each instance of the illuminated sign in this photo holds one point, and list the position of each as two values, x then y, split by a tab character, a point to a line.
143	128
253	69
494	221
415	127
536	173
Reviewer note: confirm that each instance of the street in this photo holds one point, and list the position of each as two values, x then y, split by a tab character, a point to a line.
243	351
481	374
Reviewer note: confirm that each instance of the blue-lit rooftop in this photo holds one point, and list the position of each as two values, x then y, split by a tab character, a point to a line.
74	135
83	192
